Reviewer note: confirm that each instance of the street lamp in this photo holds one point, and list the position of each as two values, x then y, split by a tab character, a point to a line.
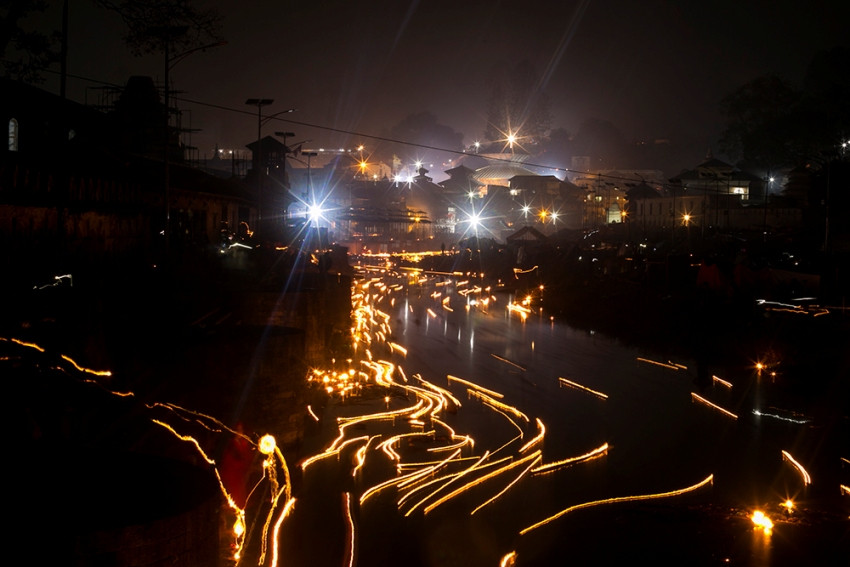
260	103
168	34
284	135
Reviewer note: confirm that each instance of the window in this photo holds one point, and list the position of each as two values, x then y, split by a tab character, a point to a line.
13	135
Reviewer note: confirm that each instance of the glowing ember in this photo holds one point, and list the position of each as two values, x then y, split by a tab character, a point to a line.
762	522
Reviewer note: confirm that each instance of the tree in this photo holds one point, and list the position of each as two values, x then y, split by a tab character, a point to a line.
772	124
517	105
25	53
424	130
759	122
173	25
602	141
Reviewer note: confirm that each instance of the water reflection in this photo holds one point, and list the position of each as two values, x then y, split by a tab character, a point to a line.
498	436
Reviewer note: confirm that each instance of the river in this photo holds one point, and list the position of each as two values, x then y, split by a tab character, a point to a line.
611	454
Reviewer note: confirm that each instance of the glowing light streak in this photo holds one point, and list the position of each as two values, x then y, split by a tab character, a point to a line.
806	478
26	344
287	508
845	490
508	560
549	467
506	361
655	362
482	459
86	370
350	532
397	347
431	313
332	451
578	386
534	457
475	386
722	382
360	456
312	413
536	439
780	417
497	404
702	400
708	480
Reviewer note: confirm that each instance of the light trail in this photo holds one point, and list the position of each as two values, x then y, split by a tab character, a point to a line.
497	404
780	417
803	473
506	361
708	480
287	509
549	467
534	457
536	439
482	459
702	400
508	560
721	381
475	386
578	386
350	528
655	362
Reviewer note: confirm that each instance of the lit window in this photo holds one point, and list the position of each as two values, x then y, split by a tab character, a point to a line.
13	135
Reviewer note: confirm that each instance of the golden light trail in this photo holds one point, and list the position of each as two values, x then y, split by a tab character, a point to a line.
549	467
287	508
506	361
655	362
806	478
578	386
702	400
312	413
508	560
845	490
722	382
497	404
350	533
708	480
474	386
397	347
482	459
334	450
535	458
86	370
26	344
536	439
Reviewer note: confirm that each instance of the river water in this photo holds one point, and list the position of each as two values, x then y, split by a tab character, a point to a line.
639	460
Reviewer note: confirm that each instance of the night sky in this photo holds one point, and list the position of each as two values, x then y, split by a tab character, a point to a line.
654	68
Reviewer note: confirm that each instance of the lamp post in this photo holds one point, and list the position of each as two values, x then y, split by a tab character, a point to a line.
259	103
168	34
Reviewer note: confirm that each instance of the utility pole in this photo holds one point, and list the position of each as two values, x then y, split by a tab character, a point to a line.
259	103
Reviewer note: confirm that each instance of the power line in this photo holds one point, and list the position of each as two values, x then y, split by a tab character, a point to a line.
367	136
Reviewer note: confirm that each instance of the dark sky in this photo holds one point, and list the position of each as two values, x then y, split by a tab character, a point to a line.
655	68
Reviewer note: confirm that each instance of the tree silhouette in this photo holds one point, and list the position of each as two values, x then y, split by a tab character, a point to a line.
151	24
25	53
517	105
